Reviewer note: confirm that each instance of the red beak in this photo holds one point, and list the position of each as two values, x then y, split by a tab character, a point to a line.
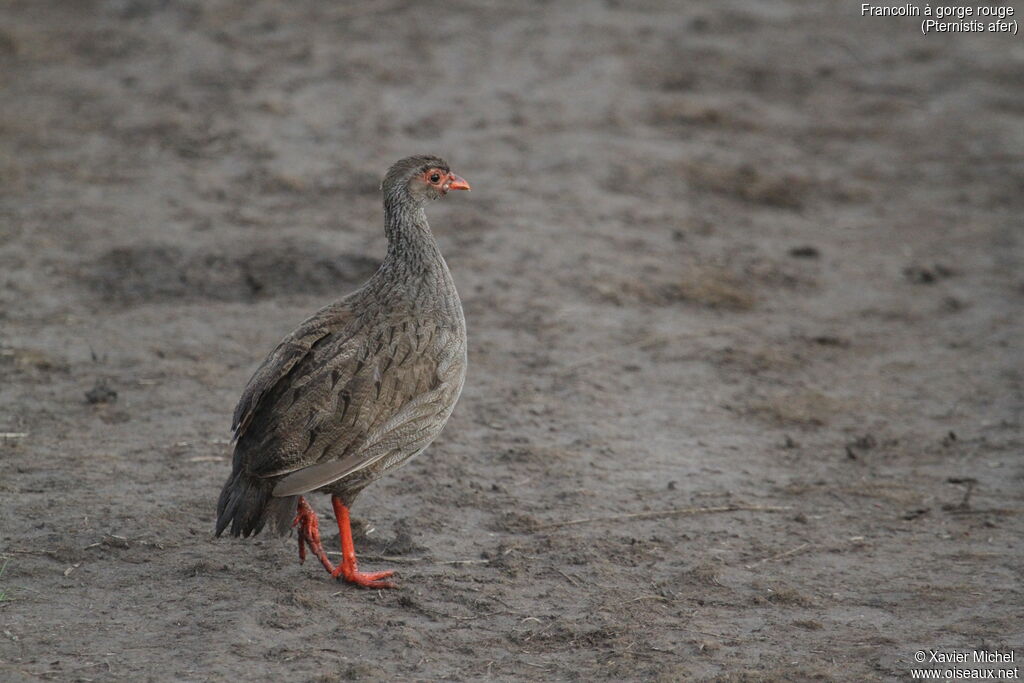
457	183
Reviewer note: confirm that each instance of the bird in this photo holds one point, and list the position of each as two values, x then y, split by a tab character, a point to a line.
357	389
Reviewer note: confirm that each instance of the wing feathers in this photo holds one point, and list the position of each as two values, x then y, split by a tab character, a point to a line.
315	476
331	401
283	359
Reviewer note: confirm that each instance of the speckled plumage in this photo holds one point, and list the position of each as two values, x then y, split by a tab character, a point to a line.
359	387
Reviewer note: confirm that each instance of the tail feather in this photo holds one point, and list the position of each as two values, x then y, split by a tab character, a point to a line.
247	504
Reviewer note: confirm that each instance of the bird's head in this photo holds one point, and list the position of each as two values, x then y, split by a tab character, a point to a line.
421	178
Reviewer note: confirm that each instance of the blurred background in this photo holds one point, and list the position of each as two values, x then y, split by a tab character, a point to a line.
743	286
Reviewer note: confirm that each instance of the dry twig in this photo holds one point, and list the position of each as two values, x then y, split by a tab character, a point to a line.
657	514
384	558
788	553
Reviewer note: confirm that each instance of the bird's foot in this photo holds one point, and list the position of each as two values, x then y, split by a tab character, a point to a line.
364	579
309	534
349	569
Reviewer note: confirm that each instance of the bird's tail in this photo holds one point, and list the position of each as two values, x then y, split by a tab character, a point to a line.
247	504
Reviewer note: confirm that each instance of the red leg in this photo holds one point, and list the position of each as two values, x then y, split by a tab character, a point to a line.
348	569
309	534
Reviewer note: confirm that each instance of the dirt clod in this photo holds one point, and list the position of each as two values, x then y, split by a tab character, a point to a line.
805	251
101	393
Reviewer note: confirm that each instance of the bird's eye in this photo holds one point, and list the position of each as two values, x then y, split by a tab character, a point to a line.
434	177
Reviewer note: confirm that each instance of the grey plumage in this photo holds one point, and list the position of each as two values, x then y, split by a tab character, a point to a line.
359	387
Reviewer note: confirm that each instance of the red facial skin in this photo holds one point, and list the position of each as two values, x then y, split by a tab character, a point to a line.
446	180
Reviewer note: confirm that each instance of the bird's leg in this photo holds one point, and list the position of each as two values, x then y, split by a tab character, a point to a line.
309	534
348	569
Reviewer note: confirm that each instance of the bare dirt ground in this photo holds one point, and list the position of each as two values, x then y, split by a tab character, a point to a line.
763	257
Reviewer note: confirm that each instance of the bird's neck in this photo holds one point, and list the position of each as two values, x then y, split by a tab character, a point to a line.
411	245
413	273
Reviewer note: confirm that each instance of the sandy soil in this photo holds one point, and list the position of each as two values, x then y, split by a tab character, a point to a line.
757	258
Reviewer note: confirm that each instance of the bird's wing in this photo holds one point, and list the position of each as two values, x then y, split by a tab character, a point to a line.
398	398
283	359
342	392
